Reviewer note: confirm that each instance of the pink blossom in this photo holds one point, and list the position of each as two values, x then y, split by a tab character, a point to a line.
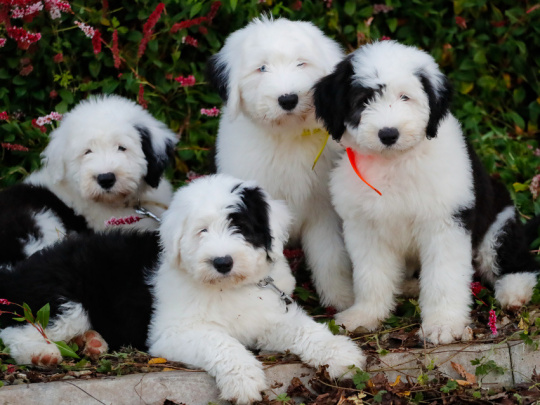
115	51
211	112
148	28
123	221
59	57
2	42
141	100
381	8
461	22
88	30
96	42
47	119
535	186
27	10
189	40
493	322
3	301
11	369
536	152
328	3
385	38
24	38
4	115
55	7
186	81
16	147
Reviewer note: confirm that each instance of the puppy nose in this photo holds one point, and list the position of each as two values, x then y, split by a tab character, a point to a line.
288	101
223	264
106	180
388	136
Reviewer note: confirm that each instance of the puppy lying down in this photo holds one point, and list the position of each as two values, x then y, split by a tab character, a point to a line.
213	282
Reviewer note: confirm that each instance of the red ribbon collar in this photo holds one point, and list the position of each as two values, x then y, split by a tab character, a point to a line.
352	159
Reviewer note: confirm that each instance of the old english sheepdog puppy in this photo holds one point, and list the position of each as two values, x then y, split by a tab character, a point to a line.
106	158
268	132
439	210
220	284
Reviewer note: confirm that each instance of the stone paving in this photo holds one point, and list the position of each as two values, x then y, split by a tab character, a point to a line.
198	388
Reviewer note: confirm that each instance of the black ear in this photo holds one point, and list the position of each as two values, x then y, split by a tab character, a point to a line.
217	74
331	98
157	162
439	98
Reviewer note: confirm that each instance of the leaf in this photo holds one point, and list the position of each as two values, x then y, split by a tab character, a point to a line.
28	313
471	379
350	7
392	24
65	350
157	360
42	315
360	378
195	9
233	4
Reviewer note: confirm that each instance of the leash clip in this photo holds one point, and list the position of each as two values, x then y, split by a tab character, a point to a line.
269	282
145	213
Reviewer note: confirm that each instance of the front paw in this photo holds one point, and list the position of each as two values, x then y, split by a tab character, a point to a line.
243	386
442	333
354	317
344	354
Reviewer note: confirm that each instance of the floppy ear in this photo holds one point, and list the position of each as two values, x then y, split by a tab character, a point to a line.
439	93
52	156
331	98
216	73
157	160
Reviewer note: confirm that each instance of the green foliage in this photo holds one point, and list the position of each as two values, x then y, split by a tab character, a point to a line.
378	397
451	385
489	50
283	398
360	379
484	367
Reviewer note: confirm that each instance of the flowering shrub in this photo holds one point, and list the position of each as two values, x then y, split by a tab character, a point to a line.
55	53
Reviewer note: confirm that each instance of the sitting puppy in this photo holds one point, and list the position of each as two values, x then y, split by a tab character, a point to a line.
439	210
106	158
211	290
268	133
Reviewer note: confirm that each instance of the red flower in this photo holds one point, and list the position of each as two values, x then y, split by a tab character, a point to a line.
385	38
186	81
114	49
59	57
11	368
297	5
24	38
187	23
492	323
210	112
53	94
2	42
476	287
189	40
3	301
40	127
96	42
203	30
26	70
148	27
213	10
141	99
4	115
330	311
460	21
20	148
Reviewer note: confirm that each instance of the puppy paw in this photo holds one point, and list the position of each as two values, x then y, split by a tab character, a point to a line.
439	334
355	317
344	354
243	386
91	343
48	356
515	290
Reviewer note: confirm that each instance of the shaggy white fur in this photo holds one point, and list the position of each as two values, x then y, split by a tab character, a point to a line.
206	317
438	210
268	132
107	155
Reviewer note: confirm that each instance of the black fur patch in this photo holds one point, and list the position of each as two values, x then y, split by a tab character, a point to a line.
491	198
156	162
106	273
217	75
251	218
18	205
331	98
439	103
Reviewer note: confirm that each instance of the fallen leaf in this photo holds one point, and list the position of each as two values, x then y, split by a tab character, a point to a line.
471	378
157	360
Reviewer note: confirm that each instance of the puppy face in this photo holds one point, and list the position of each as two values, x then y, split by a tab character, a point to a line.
386	98
268	68
109	149
221	231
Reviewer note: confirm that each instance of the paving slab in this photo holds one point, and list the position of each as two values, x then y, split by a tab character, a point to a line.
198	388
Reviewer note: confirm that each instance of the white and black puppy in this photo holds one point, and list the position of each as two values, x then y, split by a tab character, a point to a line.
439	210
268	132
106	157
219	285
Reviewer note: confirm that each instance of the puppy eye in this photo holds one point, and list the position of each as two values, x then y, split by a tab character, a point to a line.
263	68
301	64
88	151
404	97
203	231
121	148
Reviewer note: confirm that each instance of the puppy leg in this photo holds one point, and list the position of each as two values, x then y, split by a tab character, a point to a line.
515	289
445	279
377	275
27	346
327	258
239	375
313	342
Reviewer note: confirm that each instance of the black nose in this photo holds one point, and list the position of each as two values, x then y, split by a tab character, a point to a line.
223	264
288	101
388	136
106	180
